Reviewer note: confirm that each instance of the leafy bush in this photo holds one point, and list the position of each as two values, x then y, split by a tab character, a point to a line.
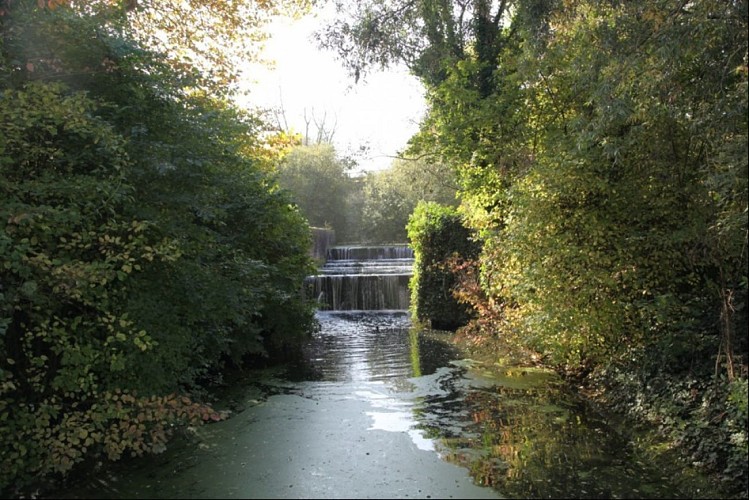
143	247
436	234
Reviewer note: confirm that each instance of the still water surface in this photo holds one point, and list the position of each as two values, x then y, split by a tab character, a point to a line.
379	409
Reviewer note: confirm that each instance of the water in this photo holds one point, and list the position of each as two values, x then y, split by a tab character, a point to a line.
370	252
517	430
363	278
379	408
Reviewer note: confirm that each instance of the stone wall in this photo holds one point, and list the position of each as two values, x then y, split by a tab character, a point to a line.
322	238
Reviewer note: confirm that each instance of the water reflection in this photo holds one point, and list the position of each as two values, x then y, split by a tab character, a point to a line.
533	440
516	430
380	348
368	413
370	346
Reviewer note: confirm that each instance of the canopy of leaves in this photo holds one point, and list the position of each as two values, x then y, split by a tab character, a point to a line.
390	196
319	183
216	37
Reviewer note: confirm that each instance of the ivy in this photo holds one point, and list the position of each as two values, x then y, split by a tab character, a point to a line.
437	234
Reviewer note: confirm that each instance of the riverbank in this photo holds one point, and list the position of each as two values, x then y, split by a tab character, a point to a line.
654	427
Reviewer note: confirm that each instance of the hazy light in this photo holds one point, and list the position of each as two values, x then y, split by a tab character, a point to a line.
381	113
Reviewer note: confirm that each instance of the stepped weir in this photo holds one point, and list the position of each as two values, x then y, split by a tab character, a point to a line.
364	278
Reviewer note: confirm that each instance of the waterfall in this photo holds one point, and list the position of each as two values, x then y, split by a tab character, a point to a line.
357	252
363	278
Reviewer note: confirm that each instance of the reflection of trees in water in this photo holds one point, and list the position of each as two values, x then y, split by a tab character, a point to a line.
524	436
413	342
538	443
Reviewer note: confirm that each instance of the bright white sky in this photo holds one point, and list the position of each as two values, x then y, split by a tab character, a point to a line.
382	112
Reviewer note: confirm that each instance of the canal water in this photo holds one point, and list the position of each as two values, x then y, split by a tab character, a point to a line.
379	408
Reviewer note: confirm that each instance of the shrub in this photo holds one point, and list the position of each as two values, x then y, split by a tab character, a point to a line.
436	234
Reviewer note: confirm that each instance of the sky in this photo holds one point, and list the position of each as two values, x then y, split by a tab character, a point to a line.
382	112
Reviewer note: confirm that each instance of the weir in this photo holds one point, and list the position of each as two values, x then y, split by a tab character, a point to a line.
366	278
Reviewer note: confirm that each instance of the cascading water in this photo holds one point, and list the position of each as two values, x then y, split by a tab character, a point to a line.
366	278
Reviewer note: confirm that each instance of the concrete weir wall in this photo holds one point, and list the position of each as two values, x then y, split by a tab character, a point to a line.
322	238
365	278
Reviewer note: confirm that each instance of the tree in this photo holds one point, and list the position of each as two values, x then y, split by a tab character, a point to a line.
564	123
390	196
320	186
323	134
145	248
601	152
426	35
213	37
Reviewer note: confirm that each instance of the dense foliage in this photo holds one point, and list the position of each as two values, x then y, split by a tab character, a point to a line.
437	234
320	183
390	196
370	208
144	248
601	149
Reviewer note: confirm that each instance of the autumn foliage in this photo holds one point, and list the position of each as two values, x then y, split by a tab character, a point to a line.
144	246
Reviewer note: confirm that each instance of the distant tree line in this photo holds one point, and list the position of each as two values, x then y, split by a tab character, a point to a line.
372	207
